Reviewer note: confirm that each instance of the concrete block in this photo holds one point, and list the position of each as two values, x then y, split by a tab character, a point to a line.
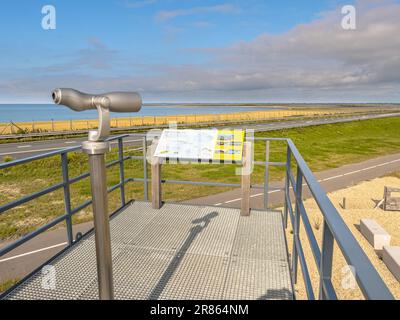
391	257
374	233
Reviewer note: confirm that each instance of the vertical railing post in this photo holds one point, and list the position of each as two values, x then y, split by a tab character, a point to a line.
287	185
67	197
326	260
145	182
121	170
266	178
246	179
296	227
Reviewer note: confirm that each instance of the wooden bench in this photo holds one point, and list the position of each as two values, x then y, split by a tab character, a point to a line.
374	233
391	257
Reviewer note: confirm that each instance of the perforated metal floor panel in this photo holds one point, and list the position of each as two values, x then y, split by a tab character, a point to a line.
177	252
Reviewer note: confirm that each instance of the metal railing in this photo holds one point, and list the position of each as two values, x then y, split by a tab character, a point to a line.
334	228
65	184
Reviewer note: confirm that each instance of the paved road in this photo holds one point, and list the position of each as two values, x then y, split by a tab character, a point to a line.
32	254
22	150
330	180
25	149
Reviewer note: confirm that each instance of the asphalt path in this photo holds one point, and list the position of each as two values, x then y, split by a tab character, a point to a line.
330	180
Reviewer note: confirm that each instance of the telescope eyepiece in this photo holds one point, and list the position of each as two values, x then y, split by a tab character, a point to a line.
56	95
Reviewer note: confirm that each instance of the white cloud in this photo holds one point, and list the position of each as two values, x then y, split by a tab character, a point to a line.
165	15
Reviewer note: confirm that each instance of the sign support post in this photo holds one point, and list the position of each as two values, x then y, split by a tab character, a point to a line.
246	179
156	196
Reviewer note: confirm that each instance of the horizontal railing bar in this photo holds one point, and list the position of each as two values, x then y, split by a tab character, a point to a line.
265	139
114	187
121	136
304	269
30	197
263	163
118	185
81	207
31	235
112	163
212	184
369	281
115	162
80	177
89	202
37	157
87	174
136	140
141	135
201	183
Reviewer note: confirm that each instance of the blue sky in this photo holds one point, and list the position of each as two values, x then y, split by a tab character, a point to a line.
200	50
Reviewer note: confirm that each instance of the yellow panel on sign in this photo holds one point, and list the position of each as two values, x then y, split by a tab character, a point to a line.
229	145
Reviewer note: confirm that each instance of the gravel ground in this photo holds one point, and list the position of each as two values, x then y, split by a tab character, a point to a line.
360	202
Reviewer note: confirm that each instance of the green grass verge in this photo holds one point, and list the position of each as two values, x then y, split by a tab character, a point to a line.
393	174
323	147
7	284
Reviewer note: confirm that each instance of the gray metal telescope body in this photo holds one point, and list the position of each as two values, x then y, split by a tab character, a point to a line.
114	101
104	103
96	148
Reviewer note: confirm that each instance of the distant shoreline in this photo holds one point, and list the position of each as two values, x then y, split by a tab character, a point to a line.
52	112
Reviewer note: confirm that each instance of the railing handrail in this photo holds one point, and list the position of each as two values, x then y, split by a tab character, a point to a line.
66	181
366	275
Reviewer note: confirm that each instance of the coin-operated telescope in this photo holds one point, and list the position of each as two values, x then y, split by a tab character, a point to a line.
96	147
104	103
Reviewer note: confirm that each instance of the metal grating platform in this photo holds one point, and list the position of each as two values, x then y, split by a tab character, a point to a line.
178	252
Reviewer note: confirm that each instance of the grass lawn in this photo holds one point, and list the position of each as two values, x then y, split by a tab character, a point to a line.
8	284
323	147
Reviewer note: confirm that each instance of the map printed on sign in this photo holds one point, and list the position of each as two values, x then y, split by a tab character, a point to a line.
213	144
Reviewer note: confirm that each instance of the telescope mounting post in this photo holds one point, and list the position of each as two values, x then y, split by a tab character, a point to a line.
96	148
